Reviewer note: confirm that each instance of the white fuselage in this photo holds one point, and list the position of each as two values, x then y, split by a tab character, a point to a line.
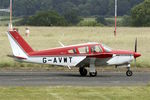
75	60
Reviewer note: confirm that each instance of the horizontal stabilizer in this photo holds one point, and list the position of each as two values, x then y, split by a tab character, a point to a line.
12	56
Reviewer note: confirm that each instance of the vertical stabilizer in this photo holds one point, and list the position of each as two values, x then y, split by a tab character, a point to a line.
19	46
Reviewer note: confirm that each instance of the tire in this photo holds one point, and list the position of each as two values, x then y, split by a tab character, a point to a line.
93	74
83	71
129	73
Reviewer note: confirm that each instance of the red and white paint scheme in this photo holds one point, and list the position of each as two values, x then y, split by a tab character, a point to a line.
80	55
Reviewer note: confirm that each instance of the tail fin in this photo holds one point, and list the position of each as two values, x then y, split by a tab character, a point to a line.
19	46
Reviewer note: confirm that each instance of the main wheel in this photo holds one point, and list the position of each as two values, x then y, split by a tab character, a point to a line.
83	71
93	74
129	73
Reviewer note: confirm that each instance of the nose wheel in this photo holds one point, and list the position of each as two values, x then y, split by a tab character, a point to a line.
129	73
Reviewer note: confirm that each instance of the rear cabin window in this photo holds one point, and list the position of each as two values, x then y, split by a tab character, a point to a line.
96	49
83	50
72	51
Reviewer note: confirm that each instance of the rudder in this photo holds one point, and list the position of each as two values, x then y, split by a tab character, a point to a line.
19	46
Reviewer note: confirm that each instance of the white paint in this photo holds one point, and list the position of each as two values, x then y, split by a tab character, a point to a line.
115	7
119	60
17	50
71	60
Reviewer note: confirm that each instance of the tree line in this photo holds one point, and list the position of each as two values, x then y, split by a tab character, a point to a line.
83	7
51	18
72	12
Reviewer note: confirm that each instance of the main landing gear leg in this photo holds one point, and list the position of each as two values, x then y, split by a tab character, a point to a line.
129	72
92	72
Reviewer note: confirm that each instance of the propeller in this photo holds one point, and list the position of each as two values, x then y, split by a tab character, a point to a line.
135	52
136	45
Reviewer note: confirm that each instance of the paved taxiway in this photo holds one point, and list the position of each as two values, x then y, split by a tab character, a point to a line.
72	79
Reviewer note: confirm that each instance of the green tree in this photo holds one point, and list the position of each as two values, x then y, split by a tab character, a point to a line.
141	14
84	7
72	17
45	18
101	19
126	20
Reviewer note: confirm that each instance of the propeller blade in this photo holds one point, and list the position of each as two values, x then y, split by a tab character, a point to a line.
135	51
135	62
136	45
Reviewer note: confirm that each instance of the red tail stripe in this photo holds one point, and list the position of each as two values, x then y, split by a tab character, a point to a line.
25	46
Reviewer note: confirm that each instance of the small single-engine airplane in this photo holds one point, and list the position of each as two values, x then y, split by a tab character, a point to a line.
81	55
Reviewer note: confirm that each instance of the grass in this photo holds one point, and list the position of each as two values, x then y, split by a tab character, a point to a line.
119	18
109	20
89	22
90	19
48	37
75	93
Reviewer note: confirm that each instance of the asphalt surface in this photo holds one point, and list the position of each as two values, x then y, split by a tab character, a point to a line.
72	79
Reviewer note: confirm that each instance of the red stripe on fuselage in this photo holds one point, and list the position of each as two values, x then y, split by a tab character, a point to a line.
101	55
25	46
122	52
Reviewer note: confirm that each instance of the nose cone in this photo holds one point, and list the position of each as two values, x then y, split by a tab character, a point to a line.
137	55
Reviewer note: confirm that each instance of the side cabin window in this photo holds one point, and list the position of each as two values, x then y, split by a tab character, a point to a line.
72	51
84	50
96	49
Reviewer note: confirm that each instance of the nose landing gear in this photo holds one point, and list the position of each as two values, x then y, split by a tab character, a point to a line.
129	72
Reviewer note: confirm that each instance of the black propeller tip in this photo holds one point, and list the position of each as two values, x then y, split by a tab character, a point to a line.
136	45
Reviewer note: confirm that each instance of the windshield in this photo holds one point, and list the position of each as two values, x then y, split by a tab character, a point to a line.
106	48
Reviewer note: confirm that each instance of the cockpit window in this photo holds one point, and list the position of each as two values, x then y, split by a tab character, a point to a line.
96	49
106	48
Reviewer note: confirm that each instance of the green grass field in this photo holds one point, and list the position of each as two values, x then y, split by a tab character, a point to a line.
75	93
48	37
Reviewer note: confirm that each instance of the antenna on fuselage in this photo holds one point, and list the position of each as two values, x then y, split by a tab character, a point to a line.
61	42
